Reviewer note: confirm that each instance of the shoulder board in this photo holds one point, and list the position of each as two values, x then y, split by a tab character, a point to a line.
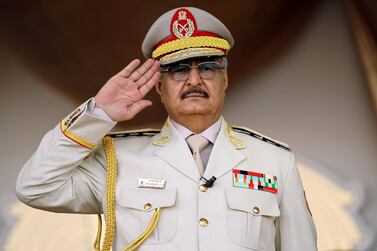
140	132
260	136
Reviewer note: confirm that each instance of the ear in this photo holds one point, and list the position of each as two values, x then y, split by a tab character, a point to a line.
225	76
159	90
159	87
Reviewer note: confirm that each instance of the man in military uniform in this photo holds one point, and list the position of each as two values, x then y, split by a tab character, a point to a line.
196	184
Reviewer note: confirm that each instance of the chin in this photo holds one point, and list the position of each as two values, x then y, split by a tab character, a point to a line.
195	110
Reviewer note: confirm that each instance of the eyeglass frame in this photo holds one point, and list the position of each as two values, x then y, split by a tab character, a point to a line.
222	66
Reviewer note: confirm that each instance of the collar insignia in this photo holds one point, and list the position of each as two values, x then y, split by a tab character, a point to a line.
237	142
161	140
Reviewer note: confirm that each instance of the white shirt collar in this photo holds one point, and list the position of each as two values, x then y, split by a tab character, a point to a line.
210	133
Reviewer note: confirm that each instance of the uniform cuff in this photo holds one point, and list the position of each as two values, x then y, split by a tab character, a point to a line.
96	111
85	128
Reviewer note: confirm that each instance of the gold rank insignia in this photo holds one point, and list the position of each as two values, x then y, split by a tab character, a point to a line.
162	140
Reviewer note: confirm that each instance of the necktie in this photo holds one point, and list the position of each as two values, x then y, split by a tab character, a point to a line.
197	143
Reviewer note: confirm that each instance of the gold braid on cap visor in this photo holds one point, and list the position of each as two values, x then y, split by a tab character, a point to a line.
184	43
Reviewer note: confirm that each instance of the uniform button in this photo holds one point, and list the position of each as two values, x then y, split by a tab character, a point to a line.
256	210
202	188
147	206
203	222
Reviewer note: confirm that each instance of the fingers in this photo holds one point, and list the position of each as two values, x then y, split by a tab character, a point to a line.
144	76
141	70
150	83
140	74
130	68
155	67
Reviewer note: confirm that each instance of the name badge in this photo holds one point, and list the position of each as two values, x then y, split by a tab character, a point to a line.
151	183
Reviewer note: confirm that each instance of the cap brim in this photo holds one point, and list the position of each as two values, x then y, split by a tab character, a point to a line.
190	53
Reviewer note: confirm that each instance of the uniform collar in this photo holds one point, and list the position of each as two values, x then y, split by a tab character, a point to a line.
224	156
210	133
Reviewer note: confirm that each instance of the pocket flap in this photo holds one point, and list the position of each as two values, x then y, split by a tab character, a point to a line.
252	201
146	199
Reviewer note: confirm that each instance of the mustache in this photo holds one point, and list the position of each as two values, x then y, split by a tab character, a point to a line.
194	90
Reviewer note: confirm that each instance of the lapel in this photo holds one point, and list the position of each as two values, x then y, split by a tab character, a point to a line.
225	154
175	151
224	157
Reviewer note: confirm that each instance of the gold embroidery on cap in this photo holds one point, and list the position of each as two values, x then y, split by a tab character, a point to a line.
189	42
189	27
191	52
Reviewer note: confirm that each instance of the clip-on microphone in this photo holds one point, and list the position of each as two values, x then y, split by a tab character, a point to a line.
210	182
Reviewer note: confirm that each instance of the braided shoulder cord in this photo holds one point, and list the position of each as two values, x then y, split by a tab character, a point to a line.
110	153
110	206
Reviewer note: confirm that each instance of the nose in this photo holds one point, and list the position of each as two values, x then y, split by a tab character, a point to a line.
194	78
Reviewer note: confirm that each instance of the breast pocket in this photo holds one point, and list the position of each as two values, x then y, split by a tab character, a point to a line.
250	218
135	209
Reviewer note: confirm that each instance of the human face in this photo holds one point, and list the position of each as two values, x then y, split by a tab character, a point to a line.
195	95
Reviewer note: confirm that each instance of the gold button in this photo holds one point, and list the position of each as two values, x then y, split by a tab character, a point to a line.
202	188
203	222
147	206
256	210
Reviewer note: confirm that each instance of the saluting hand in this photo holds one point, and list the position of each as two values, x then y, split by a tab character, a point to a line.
122	97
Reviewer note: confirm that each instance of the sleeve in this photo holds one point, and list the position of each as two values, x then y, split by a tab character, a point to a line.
295	226
67	172
97	112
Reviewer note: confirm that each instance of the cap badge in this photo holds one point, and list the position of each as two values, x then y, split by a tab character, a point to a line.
183	24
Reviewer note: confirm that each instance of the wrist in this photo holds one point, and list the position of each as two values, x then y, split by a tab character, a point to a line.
97	103
97	111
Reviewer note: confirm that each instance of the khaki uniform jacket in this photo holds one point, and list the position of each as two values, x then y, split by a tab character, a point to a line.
67	174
